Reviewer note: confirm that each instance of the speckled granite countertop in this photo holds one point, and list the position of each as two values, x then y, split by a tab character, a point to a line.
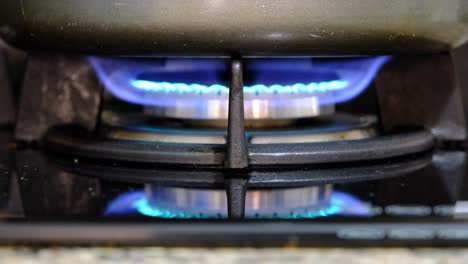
228	256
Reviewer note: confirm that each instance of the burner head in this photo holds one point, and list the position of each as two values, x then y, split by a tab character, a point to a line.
274	88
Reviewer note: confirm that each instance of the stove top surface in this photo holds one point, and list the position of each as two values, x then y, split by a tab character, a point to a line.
46	200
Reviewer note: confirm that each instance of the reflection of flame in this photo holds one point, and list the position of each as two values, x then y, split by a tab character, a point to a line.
333	81
134	203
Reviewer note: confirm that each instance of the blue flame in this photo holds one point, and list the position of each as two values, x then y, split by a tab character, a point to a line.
146	83
143	207
137	203
167	87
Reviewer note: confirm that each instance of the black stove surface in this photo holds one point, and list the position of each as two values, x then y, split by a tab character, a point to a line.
41	201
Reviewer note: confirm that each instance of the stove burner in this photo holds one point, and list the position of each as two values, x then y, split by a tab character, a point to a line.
79	143
142	129
274	88
306	202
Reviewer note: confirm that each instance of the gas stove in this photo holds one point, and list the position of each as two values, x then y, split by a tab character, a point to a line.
260	137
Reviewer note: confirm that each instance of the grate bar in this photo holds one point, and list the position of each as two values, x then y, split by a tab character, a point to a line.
236	191
237	155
